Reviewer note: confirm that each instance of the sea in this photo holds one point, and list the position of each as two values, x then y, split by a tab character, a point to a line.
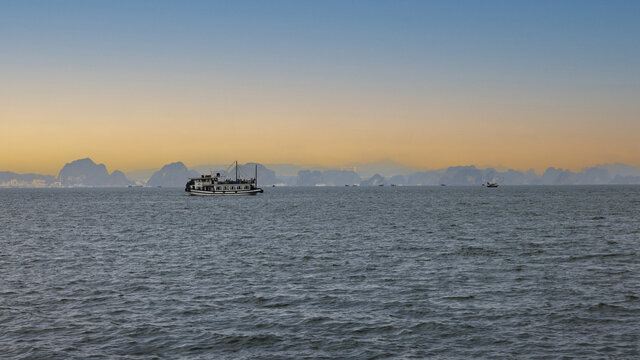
515	272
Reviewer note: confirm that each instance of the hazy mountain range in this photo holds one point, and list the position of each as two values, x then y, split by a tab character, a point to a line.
85	172
82	172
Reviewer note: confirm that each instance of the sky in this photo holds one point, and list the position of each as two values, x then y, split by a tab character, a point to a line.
430	84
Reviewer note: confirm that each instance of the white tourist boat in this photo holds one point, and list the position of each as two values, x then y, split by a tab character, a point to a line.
210	185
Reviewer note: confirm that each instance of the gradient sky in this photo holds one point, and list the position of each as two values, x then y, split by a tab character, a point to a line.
138	84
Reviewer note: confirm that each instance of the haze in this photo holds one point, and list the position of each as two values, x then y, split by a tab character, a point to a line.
138	84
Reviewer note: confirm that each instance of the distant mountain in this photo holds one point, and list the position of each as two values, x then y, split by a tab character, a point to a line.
284	169
84	172
266	177
619	169
117	178
327	177
210	168
340	177
172	175
309	178
515	177
399	174
11	179
425	178
398	180
553	176
598	175
619	179
384	167
375	180
593	176
470	176
464	175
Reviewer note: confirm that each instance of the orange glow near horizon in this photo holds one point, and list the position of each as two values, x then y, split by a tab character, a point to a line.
425	84
127	134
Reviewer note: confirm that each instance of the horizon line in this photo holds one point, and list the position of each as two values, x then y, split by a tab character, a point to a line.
349	167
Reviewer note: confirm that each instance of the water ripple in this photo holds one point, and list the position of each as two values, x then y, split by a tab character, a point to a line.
455	272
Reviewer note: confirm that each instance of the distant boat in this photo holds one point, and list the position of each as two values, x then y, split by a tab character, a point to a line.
443	185
219	185
491	184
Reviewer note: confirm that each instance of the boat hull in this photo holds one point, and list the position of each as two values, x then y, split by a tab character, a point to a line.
225	193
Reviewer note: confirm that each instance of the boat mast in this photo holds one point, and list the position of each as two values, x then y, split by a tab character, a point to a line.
236	170
256	178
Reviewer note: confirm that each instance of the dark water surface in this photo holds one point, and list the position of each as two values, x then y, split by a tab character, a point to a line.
409	272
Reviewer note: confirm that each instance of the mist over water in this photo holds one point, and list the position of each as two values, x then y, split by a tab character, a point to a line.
462	272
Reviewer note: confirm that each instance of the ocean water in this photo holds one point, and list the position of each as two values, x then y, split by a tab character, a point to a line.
382	272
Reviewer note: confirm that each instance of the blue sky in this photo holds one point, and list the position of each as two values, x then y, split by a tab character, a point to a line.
597	37
543	56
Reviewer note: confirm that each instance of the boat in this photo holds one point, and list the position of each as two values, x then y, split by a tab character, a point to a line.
220	185
491	184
